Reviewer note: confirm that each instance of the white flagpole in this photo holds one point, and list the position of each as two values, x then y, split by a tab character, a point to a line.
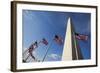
76	51
47	51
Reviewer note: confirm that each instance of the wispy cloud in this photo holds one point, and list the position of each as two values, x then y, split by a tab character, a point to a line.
54	56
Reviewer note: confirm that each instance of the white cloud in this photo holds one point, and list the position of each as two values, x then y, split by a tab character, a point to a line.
54	56
34	52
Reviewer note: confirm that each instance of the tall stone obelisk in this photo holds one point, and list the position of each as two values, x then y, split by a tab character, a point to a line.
71	49
67	51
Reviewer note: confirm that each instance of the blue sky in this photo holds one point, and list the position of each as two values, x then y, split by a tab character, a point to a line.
45	24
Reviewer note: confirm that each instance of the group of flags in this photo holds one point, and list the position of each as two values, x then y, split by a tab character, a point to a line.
35	45
32	47
57	38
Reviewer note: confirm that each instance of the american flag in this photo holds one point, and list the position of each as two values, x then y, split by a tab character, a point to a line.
81	36
58	39
44	41
33	46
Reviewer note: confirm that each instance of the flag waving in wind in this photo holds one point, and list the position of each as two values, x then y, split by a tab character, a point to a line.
29	52
33	46
44	41
58	39
81	37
